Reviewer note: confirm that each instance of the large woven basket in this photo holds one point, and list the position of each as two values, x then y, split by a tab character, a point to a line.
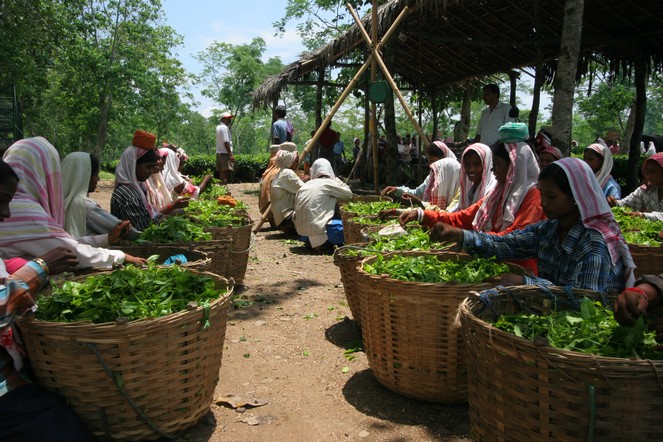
352	231
521	391
197	260
238	256
347	264
648	260
409	340
345	215
140	380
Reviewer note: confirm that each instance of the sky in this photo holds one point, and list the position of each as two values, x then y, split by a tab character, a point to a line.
201	22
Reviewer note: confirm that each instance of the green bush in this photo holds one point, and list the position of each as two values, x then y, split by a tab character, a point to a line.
248	167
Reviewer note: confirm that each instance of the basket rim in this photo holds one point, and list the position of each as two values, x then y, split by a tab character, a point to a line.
465	313
30	319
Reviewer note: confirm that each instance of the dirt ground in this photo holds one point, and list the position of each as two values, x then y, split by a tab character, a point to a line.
285	348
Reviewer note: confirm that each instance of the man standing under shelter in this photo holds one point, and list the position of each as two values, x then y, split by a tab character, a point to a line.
225	160
493	117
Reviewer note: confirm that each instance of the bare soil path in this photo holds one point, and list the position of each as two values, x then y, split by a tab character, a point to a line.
285	347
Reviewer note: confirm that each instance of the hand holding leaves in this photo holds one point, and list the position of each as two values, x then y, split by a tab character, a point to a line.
445	233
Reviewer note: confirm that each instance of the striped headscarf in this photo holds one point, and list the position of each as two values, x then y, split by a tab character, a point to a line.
595	211
448	153
76	172
320	168
603	175
443	182
552	150
488	181
501	205
37	209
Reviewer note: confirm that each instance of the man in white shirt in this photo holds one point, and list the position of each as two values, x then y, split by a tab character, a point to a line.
493	117
224	148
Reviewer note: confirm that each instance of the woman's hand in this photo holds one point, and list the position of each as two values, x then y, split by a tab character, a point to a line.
413	199
637	214
406	217
388	190
130	259
445	233
119	232
612	201
388	214
59	260
179	188
509	279
630	305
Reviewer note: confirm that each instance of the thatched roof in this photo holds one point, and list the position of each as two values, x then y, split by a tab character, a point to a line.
444	42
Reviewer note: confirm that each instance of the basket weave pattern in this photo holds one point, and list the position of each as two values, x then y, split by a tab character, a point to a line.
519	391
198	260
238	256
168	366
409	340
648	260
347	264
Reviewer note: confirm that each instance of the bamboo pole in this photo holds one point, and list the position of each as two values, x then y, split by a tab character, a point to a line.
373	126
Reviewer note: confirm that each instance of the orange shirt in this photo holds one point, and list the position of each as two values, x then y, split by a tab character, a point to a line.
530	212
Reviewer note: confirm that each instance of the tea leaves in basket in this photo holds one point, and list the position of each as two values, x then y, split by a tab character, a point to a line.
131	292
211	214
428	268
591	330
173	229
416	239
369	208
637	230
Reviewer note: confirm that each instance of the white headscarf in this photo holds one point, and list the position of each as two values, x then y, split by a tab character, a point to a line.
448	153
76	173
170	173
322	167
125	173
603	175
595	211
503	202
488	181
443	183
284	159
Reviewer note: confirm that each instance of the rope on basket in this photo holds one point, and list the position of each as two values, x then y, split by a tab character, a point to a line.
125	395
252	242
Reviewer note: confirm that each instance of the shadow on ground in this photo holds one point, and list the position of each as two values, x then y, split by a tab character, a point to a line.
345	334
369	397
250	303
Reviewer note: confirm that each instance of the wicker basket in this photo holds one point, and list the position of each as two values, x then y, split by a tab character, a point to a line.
352	231
167	367
345	215
410	344
520	391
197	260
648	260
347	264
238	257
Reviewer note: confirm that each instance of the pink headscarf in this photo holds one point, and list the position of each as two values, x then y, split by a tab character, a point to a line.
37	209
488	181
443	182
552	150
657	158
503	202
595	211
448	153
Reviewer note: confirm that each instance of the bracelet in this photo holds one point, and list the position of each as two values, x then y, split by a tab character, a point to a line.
41	263
638	290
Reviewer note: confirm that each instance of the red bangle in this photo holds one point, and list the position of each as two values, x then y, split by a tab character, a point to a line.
637	290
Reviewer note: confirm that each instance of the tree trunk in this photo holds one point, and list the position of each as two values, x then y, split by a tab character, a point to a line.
390	172
462	128
628	130
315	154
102	133
536	101
366	143
632	180
433	108
565	78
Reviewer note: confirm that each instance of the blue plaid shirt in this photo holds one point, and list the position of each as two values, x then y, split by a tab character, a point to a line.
581	261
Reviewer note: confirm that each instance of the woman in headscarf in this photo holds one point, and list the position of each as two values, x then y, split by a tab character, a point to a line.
580	245
285	186
176	182
647	200
599	158
28	411
158	194
84	219
434	152
513	204
315	207
37	222
549	154
129	201
476	177
267	177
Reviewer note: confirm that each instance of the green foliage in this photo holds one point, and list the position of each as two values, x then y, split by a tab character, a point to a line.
428	268
369	208
591	330
173	229
637	230
208	213
132	293
248	168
